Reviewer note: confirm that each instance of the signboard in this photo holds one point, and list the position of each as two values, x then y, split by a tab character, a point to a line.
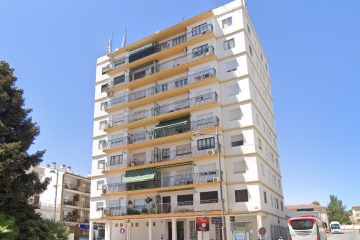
122	230
216	220
262	231
87	226
239	234
202	224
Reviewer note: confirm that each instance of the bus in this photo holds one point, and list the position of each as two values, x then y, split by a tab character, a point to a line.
306	228
335	227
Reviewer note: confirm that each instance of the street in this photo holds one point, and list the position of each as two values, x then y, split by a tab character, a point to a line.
347	235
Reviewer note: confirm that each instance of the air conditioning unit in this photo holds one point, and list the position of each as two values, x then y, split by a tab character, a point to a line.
109	125
103	190
110	94
216	179
211	152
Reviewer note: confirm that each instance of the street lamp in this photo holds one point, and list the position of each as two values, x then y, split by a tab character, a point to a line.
197	134
56	189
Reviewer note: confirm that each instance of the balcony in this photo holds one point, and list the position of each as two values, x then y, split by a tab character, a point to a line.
189	103
177	43
71	186
70	218
85	204
181	83
153	71
164	208
162	132
155	158
163	182
70	202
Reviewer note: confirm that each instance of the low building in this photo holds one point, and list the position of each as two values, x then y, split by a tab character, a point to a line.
310	210
67	198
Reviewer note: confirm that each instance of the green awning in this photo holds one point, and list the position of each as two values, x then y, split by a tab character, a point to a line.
173	123
175	165
140	175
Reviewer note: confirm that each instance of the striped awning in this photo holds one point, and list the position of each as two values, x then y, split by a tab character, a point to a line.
175	165
140	175
173	123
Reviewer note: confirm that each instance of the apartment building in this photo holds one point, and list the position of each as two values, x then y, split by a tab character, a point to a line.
171	111
66	199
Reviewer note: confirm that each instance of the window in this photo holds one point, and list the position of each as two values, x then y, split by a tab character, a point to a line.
117	159
101	164
183	200
202	95
102	124
104	87
208	197
277	203
119	79
179	40
229	44
102	144
237	140
99	206
282	206
279	183
193	232
206	143
198	51
99	184
241	195
257	119
119	62
260	146
183	149
265	197
239	167
103	105
262	170
235	114
231	66
181	82
165	154
248	29
250	50
199	29
227	22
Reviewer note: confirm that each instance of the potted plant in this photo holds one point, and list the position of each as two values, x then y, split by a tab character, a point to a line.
129	202
148	200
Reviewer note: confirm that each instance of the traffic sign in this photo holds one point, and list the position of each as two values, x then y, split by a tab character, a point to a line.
202	224
262	231
122	230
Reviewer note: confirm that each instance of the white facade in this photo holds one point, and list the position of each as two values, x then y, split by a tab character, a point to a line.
149	105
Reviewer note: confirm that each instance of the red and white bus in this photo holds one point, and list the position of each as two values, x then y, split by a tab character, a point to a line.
306	228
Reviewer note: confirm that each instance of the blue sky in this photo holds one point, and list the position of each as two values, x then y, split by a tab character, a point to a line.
313	51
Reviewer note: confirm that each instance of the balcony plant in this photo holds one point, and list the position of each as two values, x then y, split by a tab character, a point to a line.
130	202
148	200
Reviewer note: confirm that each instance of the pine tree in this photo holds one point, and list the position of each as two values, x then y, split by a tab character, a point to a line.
17	133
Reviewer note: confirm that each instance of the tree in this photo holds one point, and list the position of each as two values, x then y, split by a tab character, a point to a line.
316	203
8	229
338	211
45	229
17	133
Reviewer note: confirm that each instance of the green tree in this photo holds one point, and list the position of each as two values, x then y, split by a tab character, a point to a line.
45	229
17	133
316	203
338	211
8	229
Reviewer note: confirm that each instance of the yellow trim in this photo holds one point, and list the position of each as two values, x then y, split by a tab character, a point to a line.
163	34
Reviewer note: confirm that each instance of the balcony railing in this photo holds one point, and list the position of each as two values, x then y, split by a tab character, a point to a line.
70	202
71	186
85	204
151	48
171	181
164	208
158	88
70	218
154	158
159	67
160	133
166	108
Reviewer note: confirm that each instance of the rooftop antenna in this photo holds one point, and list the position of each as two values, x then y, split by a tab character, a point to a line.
183	18
124	39
110	44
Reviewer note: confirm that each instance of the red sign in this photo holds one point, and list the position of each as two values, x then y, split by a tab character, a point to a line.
262	231
202	224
